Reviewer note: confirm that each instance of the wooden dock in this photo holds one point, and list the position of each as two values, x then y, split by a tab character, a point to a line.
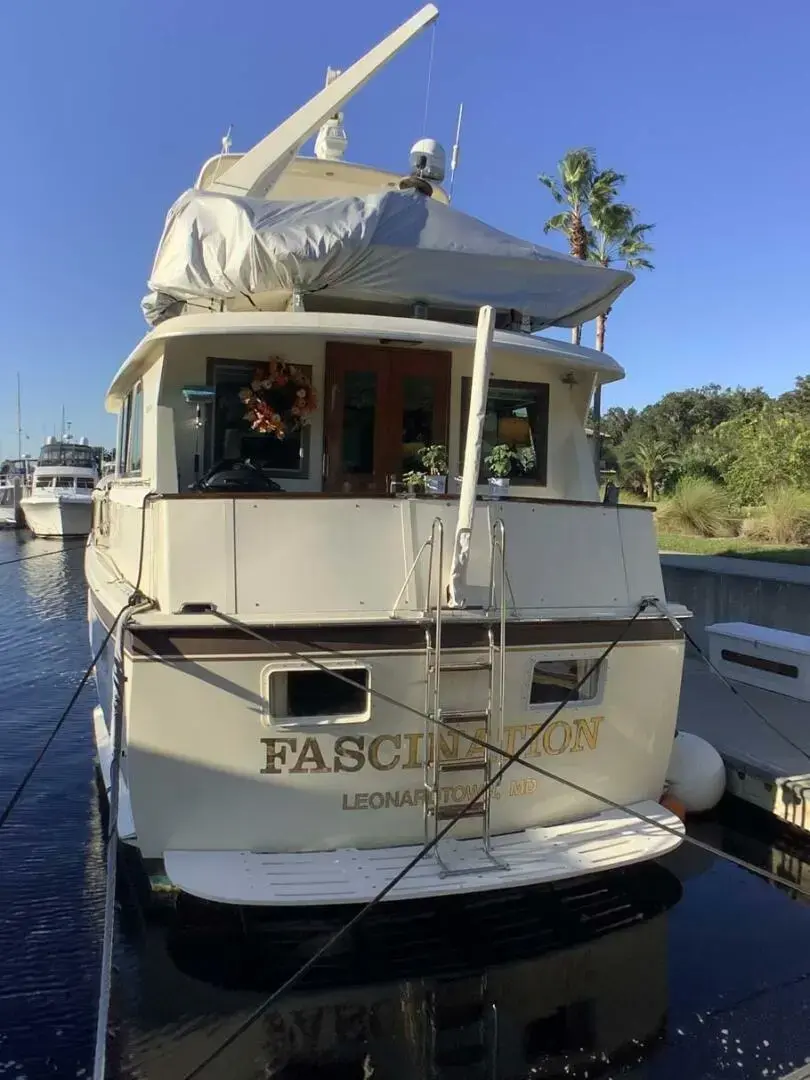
767	764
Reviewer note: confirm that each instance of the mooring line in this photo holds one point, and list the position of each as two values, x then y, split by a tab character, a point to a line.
67	546
23	784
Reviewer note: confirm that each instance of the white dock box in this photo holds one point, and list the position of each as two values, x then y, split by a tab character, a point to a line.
761	656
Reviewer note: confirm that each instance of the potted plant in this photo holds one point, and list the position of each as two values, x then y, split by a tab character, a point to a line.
414	482
499	462
434	460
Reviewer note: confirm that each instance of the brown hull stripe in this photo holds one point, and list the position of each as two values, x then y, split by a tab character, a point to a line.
227	641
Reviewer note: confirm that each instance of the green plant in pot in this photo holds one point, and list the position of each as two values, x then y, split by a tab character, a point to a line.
500	462
434	461
414	481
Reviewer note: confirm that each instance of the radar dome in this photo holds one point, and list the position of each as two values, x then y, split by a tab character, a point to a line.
428	160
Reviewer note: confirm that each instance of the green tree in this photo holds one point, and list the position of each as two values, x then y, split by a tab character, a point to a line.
763	449
645	457
799	396
580	185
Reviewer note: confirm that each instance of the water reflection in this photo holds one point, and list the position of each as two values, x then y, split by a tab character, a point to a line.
49	583
570	982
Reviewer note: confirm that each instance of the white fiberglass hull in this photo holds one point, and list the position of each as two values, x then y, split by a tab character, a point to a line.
242	810
53	515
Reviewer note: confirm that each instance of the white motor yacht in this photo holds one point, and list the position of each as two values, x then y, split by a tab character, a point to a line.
60	502
324	665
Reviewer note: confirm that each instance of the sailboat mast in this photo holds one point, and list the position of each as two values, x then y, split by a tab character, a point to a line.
19	421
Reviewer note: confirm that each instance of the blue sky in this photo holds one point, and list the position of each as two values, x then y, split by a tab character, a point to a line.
112	105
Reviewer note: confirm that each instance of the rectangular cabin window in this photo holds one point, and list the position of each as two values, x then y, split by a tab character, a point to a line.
516	414
64	482
123	435
135	441
85	483
43	482
553	680
233	439
317	697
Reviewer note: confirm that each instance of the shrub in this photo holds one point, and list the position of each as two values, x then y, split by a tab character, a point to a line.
754	527
786	517
698	508
631	498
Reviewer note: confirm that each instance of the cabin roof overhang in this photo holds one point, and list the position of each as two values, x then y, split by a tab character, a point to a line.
315	178
573	359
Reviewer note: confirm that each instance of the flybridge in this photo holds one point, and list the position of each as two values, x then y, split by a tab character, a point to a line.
231	246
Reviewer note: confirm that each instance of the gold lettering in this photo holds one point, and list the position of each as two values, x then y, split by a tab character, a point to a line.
414	756
586	731
548	737
346	804
448	745
277	754
345	749
374	752
512	737
475	750
392	798
310	756
361	801
527	786
376	800
407	798
535	748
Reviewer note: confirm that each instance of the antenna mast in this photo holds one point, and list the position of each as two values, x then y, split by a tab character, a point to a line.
454	154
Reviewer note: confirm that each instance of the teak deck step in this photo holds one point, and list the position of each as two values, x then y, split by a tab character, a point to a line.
473	665
444	813
462	766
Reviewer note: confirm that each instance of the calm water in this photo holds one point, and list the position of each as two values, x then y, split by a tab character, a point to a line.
689	970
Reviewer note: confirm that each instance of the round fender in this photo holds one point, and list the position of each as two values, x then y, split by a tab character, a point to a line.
696	775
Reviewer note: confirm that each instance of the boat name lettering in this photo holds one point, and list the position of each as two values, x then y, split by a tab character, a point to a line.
351	753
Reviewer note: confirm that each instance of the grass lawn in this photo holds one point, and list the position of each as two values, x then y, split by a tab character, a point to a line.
731	545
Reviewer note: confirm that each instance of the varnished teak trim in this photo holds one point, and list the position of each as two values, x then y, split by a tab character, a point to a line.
387	637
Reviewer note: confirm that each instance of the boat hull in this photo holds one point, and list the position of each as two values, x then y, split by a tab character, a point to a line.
58	516
242	809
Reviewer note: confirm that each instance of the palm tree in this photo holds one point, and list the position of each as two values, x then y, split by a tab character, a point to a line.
580	186
616	238
648	455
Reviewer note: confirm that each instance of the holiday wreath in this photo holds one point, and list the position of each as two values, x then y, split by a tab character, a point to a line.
278	399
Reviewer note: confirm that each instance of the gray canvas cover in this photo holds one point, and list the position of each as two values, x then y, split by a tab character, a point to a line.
396	246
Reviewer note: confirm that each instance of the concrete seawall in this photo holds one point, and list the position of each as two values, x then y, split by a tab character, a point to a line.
723	589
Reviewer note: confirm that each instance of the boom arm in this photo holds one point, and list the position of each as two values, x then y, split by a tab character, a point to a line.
258	169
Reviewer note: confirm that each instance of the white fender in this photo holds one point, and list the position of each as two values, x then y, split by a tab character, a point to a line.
696	775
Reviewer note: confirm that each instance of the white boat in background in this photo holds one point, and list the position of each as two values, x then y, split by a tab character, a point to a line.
313	652
60	502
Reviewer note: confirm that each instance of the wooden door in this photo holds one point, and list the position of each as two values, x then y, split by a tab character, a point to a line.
382	404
